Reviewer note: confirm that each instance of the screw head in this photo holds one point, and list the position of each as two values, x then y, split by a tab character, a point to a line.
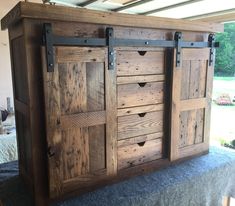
146	42
50	64
111	64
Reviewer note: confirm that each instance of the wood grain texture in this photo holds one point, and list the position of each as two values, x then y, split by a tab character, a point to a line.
139	153
111	118
193	104
131	95
54	137
140	109
142	138
135	125
132	63
140	79
86	119
43	11
175	111
81	54
191	127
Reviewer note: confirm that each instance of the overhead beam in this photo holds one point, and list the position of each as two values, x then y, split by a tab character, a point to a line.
219	16
131	5
170	7
86	3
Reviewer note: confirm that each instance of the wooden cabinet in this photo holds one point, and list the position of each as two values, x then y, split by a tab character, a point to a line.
93	109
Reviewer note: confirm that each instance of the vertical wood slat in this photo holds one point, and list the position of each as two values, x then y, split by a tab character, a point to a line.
175	111
54	138
111	120
207	117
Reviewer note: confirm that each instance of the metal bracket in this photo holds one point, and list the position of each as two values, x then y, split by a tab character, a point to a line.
109	37
178	43
211	41
48	42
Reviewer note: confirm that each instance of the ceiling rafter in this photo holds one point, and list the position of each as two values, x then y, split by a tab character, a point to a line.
128	6
86	3
218	16
170	7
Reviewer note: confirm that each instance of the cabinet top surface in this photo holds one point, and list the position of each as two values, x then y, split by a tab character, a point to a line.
52	12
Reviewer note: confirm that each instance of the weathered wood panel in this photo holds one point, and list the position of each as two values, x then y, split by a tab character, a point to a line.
190	103
140	124
139	62
80	85
130	95
140	109
139	153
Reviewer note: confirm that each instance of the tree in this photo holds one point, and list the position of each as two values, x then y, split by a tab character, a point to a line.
225	54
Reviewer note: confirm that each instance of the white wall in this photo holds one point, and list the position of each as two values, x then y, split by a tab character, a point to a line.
5	65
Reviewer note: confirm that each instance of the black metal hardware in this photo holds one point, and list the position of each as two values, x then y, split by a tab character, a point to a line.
109	37
50	40
178	45
212	44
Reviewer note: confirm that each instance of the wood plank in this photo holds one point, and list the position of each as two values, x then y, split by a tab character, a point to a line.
142	138
141	109
136	125
21	107
195	54
209	86
140	79
192	150
194	79
111	120
132	63
131	95
139	153
54	138
45	12
175	110
85	119
191	104
79	54
96	102
186	66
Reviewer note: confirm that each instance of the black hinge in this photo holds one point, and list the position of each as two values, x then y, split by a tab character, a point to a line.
109	38
212	45
178	40
48	42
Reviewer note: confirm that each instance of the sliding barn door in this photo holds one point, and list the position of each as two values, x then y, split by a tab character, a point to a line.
191	104
80	108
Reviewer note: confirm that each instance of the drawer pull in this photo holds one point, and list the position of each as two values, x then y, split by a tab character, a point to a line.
142	53
141	144
142	114
142	84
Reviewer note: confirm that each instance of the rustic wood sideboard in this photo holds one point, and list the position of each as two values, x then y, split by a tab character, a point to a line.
102	96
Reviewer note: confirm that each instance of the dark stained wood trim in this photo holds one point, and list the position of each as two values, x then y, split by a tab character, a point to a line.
46	12
21	107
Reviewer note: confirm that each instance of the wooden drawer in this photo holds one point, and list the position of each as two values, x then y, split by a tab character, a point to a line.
137	94
139	152
140	62
140	124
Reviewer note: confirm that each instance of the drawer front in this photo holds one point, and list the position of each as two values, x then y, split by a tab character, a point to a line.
140	124
139	153
140	62
130	95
